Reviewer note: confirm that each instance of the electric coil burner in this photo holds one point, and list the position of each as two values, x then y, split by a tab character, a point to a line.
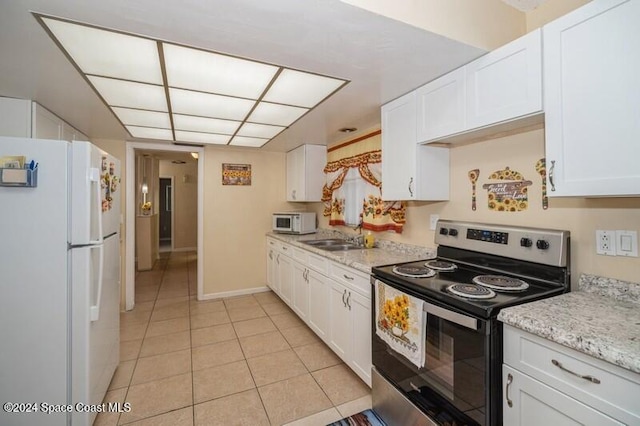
414	271
472	291
441	265
479	270
501	283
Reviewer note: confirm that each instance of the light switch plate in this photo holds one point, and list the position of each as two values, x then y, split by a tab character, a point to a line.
627	243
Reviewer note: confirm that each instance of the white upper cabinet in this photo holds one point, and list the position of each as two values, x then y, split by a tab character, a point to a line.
592	100
441	106
28	119
305	172
506	83
500	91
410	171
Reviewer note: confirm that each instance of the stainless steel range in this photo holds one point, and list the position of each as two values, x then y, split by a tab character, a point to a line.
479	270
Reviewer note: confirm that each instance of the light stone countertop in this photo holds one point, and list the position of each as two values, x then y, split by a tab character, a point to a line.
386	252
602	320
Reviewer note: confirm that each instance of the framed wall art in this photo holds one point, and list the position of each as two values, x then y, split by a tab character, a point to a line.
236	174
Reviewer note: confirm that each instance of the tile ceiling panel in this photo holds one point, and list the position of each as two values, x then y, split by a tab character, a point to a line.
208	105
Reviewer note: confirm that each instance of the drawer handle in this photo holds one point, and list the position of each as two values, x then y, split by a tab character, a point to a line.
561	367
347	277
509	381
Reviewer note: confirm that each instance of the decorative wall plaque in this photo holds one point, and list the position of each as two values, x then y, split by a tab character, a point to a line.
541	168
509	193
236	174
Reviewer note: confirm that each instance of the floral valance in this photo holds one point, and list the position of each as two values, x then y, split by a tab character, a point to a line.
374	214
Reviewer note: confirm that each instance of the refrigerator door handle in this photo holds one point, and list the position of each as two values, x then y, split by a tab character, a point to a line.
94	177
95	309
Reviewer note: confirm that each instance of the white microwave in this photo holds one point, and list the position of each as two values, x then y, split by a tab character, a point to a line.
294	222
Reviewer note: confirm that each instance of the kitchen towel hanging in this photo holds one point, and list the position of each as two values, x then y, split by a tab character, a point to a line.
401	322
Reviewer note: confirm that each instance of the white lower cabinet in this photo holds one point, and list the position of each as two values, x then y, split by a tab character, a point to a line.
340	333
285	276
534	403
319	296
300	298
332	299
545	383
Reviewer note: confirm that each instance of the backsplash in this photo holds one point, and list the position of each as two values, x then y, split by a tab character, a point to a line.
624	291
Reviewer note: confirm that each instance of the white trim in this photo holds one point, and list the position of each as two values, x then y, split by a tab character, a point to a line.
130	216
244	292
185	249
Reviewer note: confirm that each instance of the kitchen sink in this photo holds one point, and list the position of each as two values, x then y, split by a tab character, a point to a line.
333	244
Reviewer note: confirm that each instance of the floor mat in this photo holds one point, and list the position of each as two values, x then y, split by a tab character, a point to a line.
365	418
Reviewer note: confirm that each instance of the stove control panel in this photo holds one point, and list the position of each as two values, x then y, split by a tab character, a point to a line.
489	236
545	246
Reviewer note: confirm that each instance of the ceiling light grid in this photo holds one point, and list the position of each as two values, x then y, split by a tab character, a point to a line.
162	90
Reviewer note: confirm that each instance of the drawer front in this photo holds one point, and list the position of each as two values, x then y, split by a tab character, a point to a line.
351	278
318	263
603	386
299	255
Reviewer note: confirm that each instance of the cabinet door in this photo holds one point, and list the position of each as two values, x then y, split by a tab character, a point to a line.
319	306
301	291
534	403
399	148
441	106
15	117
45	125
340	329
360	357
285	276
506	83
592	99
295	174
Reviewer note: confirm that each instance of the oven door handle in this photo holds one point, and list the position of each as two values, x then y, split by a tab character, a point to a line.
463	320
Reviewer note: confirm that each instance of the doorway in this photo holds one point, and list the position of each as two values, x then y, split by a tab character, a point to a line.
131	207
165	228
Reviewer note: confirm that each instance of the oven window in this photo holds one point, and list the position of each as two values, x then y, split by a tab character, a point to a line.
450	388
283	222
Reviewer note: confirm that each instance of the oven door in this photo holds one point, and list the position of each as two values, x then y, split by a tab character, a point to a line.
451	388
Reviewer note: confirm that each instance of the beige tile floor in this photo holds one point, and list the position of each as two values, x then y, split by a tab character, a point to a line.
246	360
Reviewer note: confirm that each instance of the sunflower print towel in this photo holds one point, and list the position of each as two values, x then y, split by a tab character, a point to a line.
401	322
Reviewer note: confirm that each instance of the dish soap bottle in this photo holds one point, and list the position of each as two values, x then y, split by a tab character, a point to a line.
369	240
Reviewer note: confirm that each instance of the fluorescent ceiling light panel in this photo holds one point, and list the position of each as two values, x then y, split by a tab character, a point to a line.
259	130
208	105
205	125
203	71
279	115
108	53
301	88
137	117
212	96
207	138
245	141
131	95
150	133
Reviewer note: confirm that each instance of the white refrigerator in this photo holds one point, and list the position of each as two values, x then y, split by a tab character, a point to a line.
59	279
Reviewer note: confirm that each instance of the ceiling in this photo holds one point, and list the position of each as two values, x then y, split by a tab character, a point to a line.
381	57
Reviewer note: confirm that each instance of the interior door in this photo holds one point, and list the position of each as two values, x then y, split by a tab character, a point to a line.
166	209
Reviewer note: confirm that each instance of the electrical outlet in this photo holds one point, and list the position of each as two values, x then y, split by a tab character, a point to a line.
606	242
433	221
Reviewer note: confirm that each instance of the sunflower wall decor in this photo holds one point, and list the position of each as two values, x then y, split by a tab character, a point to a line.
508	192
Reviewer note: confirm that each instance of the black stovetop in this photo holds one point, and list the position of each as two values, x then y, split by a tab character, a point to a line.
434	289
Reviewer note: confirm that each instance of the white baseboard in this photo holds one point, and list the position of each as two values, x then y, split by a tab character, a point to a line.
185	249
232	293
